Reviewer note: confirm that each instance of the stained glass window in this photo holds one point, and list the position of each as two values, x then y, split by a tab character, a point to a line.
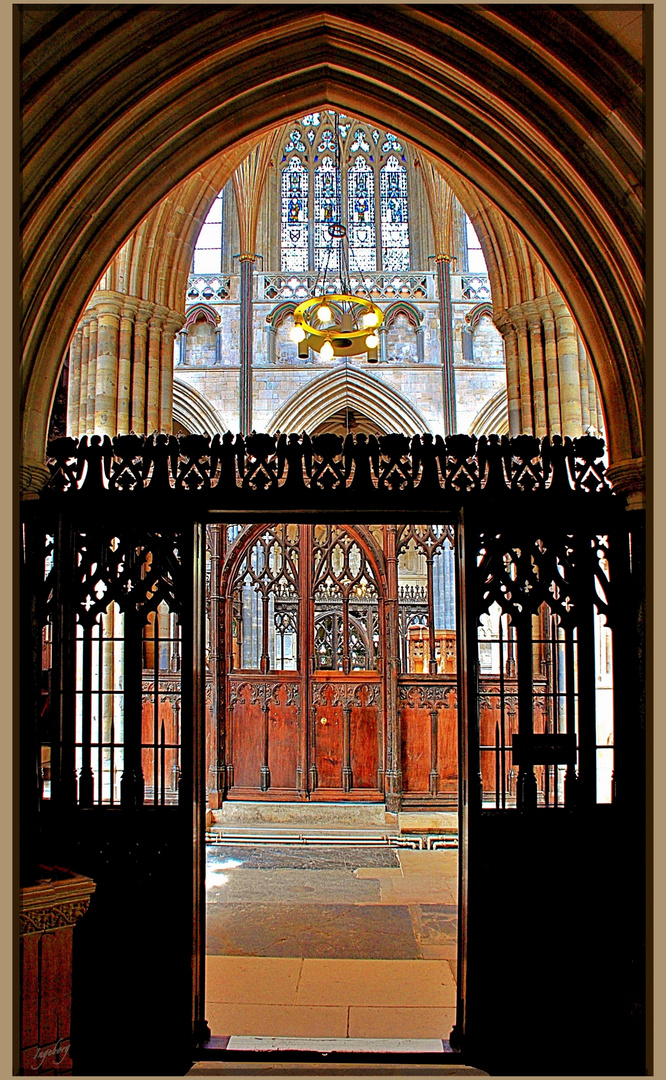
294	143
360	142
295	217
208	251
394	215
327	143
327	209
391	144
361	214
311	120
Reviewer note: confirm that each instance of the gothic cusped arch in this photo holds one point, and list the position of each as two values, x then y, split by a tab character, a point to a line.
198	311
195	412
477	312
401	307
319	399
276	317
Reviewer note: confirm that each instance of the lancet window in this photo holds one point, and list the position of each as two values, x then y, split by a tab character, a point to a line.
208	251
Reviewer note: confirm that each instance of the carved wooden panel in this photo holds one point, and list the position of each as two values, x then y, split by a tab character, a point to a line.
264	734
428	724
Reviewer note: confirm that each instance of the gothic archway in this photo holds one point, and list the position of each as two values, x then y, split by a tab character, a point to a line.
580	210
347	387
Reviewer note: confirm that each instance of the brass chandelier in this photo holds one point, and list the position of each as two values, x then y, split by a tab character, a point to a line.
335	321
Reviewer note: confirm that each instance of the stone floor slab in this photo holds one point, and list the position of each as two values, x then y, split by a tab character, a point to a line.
300	1020
259	980
332	931
376	982
376	1022
289	886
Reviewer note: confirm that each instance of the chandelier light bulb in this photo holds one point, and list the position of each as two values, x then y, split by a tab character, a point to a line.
326	351
372	341
297	333
324	313
369	319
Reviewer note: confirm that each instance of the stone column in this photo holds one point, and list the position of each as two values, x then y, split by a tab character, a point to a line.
182	348
124	396
420	345
443	263
245	403
552	380
567	355
538	371
505	326
138	404
524	369
106	375
584	377
92	376
83	385
393	780
153	373
165	418
218	345
74	385
383	353
271	335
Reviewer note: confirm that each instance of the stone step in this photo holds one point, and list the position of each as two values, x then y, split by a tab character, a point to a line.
301	814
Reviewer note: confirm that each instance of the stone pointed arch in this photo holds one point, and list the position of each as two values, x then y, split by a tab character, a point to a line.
195	412
319	399
493	418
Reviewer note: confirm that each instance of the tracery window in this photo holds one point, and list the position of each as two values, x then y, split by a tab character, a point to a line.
265	591
372	162
345	603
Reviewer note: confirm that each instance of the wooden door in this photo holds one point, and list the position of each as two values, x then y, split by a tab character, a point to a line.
305	701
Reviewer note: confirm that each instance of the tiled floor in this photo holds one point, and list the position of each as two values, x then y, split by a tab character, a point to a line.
331	942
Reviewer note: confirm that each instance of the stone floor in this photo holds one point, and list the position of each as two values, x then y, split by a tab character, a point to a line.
310	941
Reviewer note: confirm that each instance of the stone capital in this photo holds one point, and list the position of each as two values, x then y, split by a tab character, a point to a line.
628	478
545	310
503	322
32	477
559	308
518	318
